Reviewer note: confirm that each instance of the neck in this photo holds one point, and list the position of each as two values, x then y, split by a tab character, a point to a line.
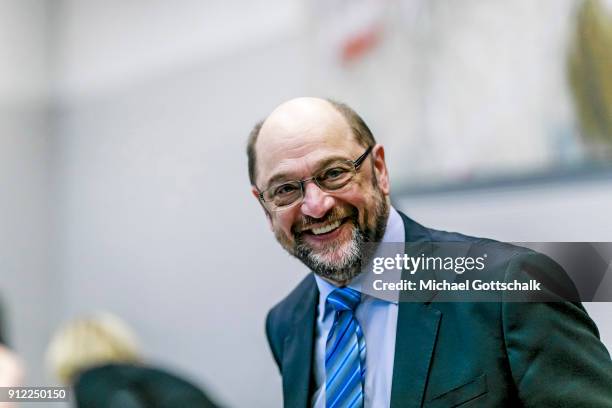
334	282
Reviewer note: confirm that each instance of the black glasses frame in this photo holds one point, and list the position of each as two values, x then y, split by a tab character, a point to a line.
356	164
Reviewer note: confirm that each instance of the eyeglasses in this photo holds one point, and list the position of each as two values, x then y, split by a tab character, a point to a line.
331	178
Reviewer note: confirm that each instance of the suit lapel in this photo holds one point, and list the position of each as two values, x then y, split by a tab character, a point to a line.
416	334
297	354
417	330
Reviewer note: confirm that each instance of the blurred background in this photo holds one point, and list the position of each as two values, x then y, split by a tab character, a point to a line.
123	178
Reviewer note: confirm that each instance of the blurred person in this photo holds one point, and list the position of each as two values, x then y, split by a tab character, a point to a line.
322	181
100	357
11	372
11	367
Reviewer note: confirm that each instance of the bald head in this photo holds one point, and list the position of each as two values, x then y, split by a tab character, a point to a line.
298	116
296	121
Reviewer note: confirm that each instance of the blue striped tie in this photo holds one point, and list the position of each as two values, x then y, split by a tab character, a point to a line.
345	352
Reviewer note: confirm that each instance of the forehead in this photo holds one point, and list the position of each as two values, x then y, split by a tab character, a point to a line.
295	147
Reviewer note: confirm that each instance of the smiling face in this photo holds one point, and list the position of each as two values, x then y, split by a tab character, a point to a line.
325	230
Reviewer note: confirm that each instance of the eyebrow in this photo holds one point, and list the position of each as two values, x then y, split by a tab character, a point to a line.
321	164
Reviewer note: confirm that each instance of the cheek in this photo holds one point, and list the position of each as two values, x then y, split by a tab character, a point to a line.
360	198
365	201
283	221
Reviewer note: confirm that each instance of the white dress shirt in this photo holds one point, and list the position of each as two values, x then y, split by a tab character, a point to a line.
378	320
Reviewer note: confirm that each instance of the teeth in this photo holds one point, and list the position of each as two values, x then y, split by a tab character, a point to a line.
326	229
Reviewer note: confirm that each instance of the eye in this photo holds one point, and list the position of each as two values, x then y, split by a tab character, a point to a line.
285	189
333	173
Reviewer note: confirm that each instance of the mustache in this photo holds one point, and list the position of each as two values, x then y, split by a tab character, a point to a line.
334	214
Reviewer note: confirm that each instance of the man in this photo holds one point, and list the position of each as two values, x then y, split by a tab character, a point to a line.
323	184
11	367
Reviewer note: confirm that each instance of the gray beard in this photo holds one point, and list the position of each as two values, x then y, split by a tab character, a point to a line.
353	253
346	269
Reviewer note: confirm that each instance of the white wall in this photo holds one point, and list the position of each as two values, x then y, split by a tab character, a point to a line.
156	221
26	282
465	89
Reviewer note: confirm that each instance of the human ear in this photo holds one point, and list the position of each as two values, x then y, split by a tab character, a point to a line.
380	168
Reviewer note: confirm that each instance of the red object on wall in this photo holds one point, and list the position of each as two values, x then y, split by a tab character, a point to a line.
360	44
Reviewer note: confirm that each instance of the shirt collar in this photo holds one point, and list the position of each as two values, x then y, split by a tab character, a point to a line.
394	232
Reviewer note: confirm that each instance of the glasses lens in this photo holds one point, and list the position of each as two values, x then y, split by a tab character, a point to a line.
283	194
336	176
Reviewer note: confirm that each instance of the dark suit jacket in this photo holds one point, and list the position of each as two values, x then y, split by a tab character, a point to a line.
134	386
495	354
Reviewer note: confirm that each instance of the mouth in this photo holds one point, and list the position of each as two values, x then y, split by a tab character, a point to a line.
326	231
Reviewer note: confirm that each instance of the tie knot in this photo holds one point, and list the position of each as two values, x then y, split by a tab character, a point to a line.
344	299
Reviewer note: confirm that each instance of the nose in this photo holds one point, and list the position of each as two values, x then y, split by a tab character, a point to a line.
316	203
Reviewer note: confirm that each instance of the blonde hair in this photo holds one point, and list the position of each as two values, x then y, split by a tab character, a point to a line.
88	342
